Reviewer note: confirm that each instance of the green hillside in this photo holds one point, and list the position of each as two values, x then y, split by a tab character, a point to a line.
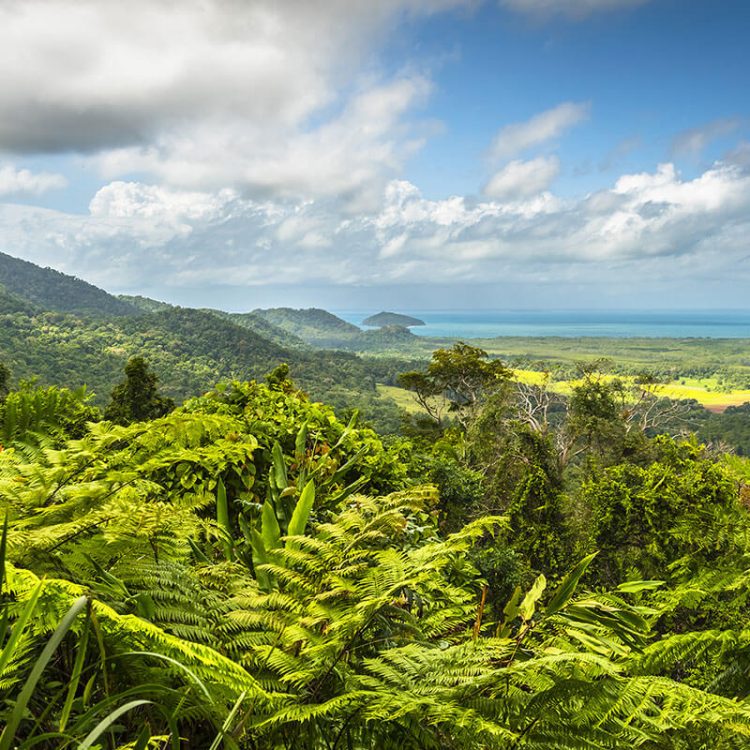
52	290
145	304
10	303
190	351
264	328
315	326
251	321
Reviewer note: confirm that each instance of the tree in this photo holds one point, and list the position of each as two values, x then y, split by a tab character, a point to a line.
456	381
136	398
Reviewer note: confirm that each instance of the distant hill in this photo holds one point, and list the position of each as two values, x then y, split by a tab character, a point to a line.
48	289
392	319
264	328
251	321
64	331
314	326
392	339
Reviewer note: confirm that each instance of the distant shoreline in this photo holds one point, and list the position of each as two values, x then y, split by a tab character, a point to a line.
485	324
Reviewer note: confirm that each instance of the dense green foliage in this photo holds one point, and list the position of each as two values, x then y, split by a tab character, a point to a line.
313	325
522	569
731	427
249	572
136	398
189	351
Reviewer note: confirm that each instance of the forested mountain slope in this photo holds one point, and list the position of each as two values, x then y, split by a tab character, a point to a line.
51	290
264	328
10	303
312	325
251	321
189	349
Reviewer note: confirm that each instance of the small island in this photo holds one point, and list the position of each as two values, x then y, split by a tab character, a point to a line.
392	319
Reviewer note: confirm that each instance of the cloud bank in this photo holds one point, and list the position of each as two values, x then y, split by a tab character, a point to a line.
213	93
654	222
14	182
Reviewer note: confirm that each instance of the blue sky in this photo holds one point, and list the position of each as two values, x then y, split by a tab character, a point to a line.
400	153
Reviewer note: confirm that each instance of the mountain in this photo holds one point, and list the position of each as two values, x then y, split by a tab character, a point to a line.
48	289
313	325
251	321
264	328
65	331
189	349
392	319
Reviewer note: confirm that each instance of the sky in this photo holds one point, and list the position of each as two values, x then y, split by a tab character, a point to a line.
369	154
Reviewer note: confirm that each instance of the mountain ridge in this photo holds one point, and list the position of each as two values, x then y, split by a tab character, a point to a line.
55	291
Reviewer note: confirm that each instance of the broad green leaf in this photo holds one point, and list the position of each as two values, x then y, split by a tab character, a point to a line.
278	468
300	444
302	510
568	586
75	678
635	587
528	605
269	528
222	519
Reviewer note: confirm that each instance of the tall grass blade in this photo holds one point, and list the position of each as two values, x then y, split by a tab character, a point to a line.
28	689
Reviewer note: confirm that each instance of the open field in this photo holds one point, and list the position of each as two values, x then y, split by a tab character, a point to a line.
705	391
401	397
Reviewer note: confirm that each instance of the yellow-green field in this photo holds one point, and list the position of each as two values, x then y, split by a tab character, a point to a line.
404	399
705	391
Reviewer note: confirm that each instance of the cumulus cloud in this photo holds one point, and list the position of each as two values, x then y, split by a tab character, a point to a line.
571	8
25	182
521	179
693	142
351	155
541	128
652	223
209	93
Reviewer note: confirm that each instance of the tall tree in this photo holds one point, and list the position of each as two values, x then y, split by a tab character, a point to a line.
457	380
137	397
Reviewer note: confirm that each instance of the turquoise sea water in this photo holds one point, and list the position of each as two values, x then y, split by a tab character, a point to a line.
567	323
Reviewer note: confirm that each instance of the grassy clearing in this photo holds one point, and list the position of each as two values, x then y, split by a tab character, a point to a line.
401	397
705	391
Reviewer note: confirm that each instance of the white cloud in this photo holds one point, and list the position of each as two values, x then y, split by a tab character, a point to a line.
546	126
24	182
275	98
350	155
653	225
522	179
572	8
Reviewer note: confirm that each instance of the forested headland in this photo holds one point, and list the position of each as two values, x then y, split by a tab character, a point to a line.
206	554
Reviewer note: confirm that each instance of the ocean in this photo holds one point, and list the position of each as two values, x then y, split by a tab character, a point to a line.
567	323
